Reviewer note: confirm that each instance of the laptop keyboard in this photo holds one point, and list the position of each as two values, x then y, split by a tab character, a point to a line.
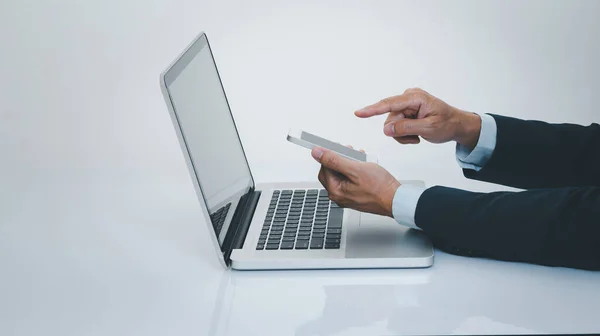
301	220
218	218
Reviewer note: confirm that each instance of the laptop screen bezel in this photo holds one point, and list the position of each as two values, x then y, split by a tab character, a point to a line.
167	78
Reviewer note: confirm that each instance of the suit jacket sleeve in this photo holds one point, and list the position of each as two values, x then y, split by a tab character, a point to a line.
554	227
535	154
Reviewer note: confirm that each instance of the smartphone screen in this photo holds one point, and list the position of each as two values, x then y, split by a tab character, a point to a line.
351	153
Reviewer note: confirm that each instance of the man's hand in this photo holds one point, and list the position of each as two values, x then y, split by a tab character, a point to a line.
416	113
362	186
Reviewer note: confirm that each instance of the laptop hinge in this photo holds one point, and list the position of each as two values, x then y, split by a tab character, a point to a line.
242	219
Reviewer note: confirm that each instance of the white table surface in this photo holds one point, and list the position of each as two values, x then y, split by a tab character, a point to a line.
132	257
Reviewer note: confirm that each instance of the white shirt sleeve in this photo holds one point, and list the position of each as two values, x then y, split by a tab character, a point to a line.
404	205
481	154
406	198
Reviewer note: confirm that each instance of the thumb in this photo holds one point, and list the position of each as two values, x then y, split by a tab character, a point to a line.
408	127
334	161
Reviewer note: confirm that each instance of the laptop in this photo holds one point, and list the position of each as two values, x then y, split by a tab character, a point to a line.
271	225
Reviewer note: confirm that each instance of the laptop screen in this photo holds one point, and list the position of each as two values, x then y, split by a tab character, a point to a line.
209	133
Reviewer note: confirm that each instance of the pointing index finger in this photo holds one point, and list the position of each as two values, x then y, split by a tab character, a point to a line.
391	104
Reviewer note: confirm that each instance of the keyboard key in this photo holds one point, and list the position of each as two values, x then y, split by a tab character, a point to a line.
262	241
332	240
302	245
319	226
260	246
335	217
305	229
287	245
287	239
332	246
318	235
316	244
318	230
334	231
272	246
290	234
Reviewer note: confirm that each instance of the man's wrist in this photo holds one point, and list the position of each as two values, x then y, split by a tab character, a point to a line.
468	130
405	204
387	202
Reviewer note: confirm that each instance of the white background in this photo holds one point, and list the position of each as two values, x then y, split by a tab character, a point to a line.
79	78
100	230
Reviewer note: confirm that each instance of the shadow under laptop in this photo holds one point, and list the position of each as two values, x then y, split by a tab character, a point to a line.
456	296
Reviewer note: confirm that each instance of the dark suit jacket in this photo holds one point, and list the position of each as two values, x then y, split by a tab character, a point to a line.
556	222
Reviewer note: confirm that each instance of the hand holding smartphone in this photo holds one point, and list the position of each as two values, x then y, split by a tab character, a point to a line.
308	140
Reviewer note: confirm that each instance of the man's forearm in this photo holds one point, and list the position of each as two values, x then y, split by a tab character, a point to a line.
550	227
534	154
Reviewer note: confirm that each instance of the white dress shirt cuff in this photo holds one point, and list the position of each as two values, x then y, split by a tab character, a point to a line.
404	205
480	155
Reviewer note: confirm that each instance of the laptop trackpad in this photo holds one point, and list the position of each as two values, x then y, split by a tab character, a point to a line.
383	237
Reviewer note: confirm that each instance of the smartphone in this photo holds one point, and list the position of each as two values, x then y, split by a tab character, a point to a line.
308	140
